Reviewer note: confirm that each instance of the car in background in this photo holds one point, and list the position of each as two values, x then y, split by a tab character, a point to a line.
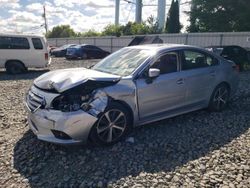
19	52
86	51
51	48
131	87
237	54
61	51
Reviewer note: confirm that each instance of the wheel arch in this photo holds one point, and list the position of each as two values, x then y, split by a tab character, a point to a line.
124	104
13	60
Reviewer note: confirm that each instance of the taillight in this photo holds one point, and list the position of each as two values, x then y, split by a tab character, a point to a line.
46	56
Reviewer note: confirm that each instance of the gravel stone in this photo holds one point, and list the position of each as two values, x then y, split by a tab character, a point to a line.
198	149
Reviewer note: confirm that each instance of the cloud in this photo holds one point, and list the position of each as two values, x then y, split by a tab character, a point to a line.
37	7
14	4
81	15
21	21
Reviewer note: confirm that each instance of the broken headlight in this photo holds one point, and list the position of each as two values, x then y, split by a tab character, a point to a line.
69	103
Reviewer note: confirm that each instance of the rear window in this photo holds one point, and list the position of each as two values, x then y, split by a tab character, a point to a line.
37	43
14	43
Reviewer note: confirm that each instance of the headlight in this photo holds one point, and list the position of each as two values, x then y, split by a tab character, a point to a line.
69	103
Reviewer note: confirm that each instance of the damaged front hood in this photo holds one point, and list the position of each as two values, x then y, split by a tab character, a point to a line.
64	79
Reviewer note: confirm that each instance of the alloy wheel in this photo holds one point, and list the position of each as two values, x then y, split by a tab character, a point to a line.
111	125
221	98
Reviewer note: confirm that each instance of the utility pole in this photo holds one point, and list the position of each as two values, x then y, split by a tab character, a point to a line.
117	10
45	19
138	11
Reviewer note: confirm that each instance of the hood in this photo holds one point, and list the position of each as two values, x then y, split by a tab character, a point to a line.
64	79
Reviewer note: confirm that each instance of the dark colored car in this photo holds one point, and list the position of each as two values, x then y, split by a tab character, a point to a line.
86	51
237	54
61	51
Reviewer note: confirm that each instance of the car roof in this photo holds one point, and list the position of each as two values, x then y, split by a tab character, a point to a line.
20	35
162	46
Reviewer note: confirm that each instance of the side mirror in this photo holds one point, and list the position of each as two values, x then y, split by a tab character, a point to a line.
153	73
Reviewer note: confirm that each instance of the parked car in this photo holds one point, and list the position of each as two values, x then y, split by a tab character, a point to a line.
20	52
237	54
131	87
85	51
51	48
61	51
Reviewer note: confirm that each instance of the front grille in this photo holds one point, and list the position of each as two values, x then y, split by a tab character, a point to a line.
35	101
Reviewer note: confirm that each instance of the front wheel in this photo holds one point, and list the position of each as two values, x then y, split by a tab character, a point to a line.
219	99
112	125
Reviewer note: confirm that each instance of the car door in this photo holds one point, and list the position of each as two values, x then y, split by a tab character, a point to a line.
199	70
164	93
91	51
97	52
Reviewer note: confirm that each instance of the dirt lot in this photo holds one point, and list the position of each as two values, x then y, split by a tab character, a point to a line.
199	149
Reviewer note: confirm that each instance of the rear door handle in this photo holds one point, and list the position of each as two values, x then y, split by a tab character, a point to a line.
180	81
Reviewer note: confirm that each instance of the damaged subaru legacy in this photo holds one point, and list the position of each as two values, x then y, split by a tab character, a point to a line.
133	86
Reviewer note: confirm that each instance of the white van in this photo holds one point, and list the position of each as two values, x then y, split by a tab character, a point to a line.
20	52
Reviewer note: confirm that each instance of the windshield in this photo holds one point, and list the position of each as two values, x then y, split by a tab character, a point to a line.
123	62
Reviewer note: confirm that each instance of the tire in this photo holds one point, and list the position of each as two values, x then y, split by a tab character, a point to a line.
219	99
112	125
15	67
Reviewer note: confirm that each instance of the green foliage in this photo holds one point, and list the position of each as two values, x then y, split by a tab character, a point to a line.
112	30
61	31
219	16
90	33
153	25
131	28
173	19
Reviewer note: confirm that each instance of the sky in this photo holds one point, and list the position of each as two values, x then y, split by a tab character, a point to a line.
25	16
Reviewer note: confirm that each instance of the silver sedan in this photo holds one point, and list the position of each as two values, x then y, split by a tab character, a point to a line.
131	87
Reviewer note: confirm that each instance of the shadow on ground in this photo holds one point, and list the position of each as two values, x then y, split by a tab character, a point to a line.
158	147
31	74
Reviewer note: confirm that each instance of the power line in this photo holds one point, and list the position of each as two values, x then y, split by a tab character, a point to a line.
33	28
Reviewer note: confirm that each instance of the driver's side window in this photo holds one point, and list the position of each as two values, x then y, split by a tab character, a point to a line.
167	63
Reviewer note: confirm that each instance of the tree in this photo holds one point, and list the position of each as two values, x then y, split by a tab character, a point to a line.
173	19
153	25
112	30
219	16
61	31
132	28
90	33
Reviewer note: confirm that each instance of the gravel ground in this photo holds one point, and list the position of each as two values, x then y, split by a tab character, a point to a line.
199	149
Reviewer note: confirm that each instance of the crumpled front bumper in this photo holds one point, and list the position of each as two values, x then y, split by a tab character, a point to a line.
76	125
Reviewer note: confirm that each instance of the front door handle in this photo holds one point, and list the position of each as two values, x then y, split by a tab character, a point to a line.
180	81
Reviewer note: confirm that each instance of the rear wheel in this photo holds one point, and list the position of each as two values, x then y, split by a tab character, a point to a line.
219	99
15	67
112	125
